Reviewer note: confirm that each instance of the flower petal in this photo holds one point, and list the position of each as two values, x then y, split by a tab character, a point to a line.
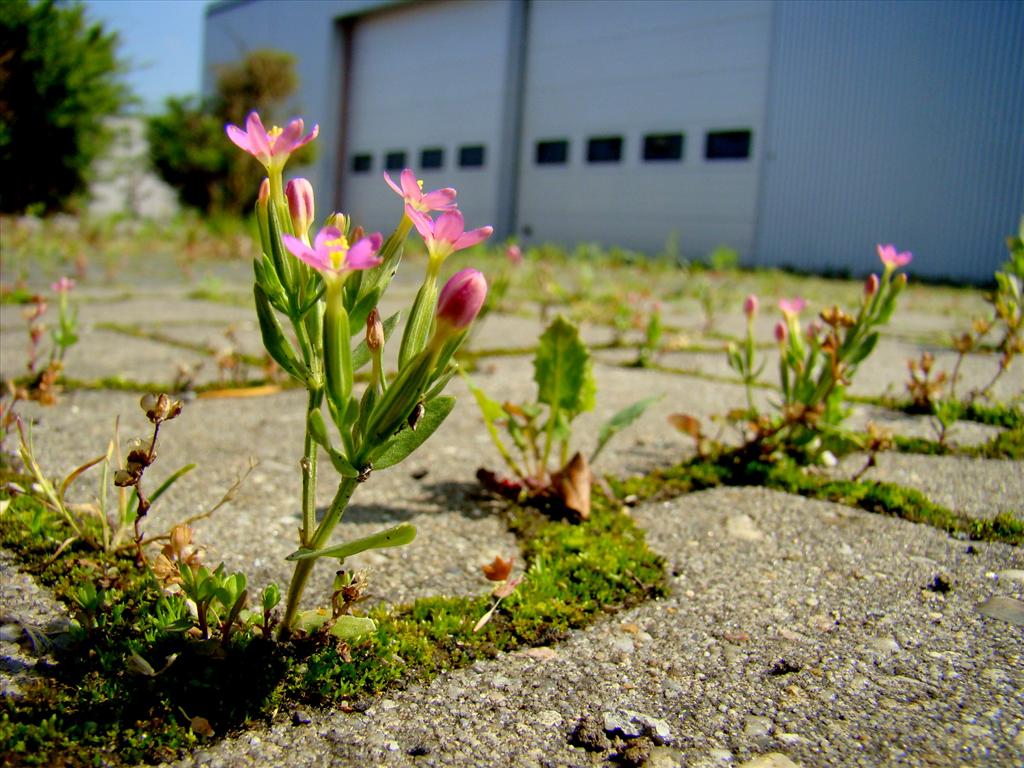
439	199
259	141
363	255
317	259
324	236
239	138
410	187
449	226
471	238
288	140
423	223
398	190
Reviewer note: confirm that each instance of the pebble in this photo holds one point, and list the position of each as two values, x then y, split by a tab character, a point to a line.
757	728
1011	574
1003	608
742	527
630	724
549	717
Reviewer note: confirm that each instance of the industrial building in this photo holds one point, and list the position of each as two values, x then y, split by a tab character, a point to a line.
798	133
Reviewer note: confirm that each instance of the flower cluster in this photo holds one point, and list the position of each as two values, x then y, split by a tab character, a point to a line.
328	290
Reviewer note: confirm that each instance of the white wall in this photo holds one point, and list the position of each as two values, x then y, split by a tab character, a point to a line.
427	75
601	68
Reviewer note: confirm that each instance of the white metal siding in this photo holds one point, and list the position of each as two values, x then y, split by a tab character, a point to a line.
628	69
894	122
427	75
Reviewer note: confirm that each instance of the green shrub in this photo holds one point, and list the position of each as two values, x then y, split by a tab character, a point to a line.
58	80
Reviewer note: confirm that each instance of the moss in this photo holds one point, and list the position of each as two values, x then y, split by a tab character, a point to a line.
733	468
89	708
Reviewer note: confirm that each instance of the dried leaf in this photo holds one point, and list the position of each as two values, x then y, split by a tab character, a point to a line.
687	424
572	484
498	569
201	726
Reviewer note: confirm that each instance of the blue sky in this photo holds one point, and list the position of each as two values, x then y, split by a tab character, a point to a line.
162	41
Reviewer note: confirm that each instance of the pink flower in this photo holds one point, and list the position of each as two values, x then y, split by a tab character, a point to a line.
447	235
750	305
272	147
514	254
299	193
411	192
461	299
63	285
781	332
792	307
891	258
331	254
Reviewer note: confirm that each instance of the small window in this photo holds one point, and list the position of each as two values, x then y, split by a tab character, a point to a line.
663	146
727	145
471	156
605	149
394	161
553	152
362	163
432	158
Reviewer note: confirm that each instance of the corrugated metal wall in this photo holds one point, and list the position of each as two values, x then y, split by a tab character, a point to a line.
893	122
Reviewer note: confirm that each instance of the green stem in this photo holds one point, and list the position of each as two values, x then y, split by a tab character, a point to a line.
304	567
309	459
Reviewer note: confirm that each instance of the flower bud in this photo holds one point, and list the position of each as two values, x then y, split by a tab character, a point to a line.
160	407
750	305
781	332
461	299
300	205
63	285
374	331
514	254
871	285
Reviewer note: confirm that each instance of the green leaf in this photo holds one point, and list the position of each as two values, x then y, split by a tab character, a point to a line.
274	340
396	536
865	348
170	481
620	421
408	440
349	628
562	369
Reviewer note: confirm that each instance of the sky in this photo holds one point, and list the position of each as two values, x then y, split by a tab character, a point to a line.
161	41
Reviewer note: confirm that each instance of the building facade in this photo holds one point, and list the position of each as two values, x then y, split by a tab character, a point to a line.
799	134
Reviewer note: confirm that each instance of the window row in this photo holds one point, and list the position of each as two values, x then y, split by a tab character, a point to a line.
657	147
431	158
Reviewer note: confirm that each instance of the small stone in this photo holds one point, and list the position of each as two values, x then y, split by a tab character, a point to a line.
541	653
665	757
299	717
1003	608
391	746
548	718
883	645
742	527
791	739
1012	574
1018	740
589	735
623	644
756	728
770	760
631	725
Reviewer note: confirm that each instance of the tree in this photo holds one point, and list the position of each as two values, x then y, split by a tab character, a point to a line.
58	81
187	144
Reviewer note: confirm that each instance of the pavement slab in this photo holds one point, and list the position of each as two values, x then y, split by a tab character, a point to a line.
796	632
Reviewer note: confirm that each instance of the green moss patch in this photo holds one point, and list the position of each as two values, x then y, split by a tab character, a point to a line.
95	706
733	468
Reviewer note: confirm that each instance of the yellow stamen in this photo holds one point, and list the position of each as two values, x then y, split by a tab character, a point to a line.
338	248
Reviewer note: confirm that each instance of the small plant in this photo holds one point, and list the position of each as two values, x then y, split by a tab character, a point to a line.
327	289
741	359
100	524
816	365
541	430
